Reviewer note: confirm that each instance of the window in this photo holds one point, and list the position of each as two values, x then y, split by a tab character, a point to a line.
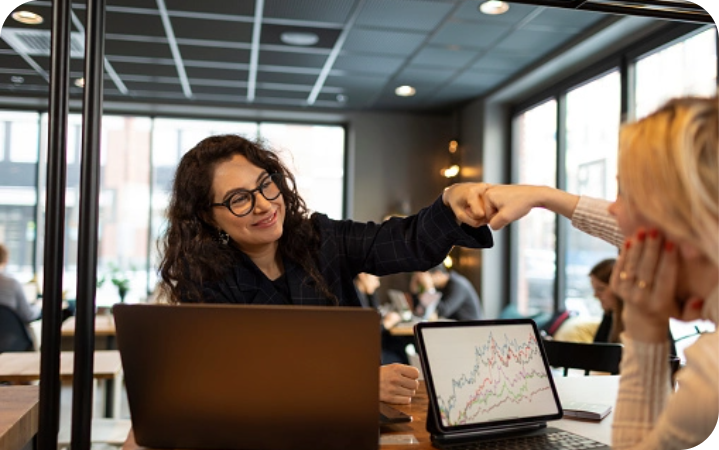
686	68
536	152
123	237
589	113
593	116
18	195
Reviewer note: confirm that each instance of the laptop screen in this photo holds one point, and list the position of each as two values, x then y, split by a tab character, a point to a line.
486	374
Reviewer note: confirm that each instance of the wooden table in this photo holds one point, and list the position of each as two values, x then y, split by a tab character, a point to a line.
104	329
24	367
19	413
403	329
600	389
414	436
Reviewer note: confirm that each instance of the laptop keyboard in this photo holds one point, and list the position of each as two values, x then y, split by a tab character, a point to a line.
560	440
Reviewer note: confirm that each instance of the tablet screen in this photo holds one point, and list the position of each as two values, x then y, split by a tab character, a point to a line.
486	372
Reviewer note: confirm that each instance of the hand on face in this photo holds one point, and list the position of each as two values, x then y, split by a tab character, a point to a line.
397	383
645	277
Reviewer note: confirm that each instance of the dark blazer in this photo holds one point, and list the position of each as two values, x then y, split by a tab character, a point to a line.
347	248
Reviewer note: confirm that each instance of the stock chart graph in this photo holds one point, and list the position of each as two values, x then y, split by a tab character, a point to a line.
486	374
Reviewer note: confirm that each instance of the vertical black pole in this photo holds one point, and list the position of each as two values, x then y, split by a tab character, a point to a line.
82	398
49	419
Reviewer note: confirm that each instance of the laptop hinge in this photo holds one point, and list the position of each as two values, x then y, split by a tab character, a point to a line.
441	437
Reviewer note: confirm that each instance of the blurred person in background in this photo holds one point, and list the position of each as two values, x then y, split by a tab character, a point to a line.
12	293
459	300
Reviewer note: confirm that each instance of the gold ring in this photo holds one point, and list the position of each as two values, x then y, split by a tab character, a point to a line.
641	284
623	275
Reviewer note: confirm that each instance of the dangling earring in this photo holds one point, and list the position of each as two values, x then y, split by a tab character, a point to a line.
222	237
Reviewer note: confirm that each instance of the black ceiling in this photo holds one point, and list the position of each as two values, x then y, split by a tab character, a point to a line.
448	50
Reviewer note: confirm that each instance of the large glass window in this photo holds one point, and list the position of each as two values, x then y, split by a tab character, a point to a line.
124	208
592	120
18	195
536	152
686	68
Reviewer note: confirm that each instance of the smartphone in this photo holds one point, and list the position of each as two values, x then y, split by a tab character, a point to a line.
389	415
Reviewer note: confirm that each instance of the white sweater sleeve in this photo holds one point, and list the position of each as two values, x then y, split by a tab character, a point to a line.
591	216
648	416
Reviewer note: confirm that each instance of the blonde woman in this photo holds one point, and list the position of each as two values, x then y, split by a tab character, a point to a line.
666	220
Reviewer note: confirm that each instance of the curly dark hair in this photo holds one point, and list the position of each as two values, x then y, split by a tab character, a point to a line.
192	254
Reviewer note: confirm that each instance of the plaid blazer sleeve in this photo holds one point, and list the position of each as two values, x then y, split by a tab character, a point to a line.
417	242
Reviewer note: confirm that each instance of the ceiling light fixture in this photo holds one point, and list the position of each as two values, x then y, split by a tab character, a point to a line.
27	17
80	82
16	79
405	91
494	7
300	38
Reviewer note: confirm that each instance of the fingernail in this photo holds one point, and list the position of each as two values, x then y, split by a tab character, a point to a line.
627	244
697	305
669	246
653	233
641	235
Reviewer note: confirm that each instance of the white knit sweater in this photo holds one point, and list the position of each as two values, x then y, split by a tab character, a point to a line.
648	415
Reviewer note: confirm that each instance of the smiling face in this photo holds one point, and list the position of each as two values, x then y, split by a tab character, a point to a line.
260	230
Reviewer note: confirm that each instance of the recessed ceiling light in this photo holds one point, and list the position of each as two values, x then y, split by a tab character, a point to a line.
80	82
299	38
494	7
27	17
405	91
341	98
16	79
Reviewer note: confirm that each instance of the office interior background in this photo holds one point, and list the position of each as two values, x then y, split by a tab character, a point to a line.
535	95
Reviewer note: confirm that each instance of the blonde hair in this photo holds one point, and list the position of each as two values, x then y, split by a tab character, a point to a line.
669	170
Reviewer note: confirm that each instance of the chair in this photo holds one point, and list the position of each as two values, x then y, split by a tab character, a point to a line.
599	357
14	335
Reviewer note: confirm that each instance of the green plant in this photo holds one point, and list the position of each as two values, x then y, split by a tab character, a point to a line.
118	278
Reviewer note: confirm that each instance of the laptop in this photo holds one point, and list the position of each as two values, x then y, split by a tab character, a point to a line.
251	377
489	383
401	304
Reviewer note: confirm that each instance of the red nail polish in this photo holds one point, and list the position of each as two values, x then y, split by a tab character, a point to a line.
627	244
697	305
654	233
641	235
669	246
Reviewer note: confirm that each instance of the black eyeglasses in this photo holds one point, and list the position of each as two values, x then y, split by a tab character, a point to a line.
242	201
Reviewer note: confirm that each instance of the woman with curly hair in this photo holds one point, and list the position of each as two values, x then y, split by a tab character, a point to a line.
240	233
